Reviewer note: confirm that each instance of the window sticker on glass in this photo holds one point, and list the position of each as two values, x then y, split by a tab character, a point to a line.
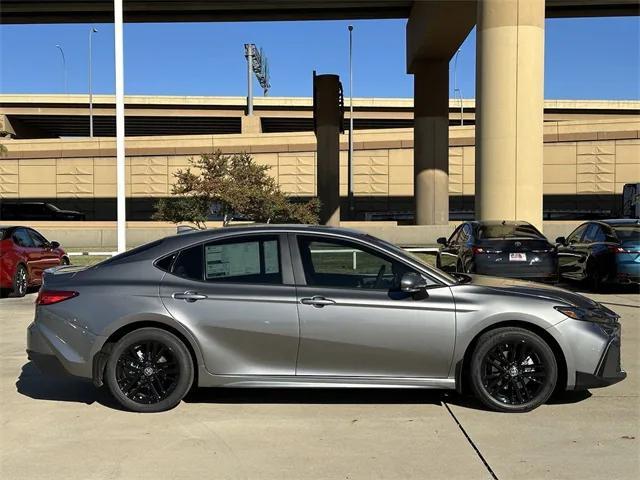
232	260
271	264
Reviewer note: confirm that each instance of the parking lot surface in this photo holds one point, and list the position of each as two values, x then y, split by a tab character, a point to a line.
63	428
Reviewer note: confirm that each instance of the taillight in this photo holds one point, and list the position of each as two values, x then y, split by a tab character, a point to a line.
477	250
616	249
48	297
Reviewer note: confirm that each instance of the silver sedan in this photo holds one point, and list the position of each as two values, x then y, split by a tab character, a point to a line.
297	306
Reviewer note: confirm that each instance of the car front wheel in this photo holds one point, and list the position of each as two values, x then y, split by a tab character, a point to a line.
513	370
149	370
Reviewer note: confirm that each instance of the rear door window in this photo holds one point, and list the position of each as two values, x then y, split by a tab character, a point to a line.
21	238
189	263
254	260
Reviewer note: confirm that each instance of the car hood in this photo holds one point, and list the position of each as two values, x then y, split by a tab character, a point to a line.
508	286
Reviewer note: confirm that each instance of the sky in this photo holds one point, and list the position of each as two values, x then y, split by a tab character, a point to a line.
588	58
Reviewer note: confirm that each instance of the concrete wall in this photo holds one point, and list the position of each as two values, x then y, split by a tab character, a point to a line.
579	158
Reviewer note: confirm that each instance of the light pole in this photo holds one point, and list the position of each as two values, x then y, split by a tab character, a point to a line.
350	154
64	68
92	30
455	87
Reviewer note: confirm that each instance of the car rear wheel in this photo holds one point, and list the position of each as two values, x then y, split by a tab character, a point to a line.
149	370
20	281
513	370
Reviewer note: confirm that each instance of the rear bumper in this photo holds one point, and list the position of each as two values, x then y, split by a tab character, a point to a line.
545	269
55	356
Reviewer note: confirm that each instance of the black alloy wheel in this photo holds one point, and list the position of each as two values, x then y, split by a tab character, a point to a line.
20	281
149	370
513	370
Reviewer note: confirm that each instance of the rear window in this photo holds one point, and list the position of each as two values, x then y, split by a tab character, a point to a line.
130	253
508	231
628	233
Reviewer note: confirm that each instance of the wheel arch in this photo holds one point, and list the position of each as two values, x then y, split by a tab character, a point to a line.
463	365
100	358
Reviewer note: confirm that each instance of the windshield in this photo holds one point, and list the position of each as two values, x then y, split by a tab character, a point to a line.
628	233
508	231
52	207
415	258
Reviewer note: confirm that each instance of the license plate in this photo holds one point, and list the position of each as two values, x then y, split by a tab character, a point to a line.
517	257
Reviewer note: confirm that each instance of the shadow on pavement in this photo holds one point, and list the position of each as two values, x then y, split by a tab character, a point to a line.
33	384
364	396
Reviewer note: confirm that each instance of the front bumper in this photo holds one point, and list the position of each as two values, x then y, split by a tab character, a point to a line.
609	369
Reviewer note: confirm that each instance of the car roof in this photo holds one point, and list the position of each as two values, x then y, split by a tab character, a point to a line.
253	228
621	221
491	223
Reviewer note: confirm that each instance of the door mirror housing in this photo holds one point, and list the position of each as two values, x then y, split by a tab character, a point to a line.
561	240
54	244
442	240
411	282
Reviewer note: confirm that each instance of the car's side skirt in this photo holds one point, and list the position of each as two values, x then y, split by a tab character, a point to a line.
269	381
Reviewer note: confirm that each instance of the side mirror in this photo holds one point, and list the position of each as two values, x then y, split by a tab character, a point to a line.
561	240
442	240
412	283
54	244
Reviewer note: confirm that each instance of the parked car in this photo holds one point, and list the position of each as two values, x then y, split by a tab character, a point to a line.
600	252
24	255
36	211
501	249
300	306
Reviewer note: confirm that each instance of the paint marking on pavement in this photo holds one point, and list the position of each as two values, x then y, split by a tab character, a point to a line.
484	460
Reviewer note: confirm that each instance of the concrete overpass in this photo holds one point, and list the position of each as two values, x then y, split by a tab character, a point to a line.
52	116
101	11
509	85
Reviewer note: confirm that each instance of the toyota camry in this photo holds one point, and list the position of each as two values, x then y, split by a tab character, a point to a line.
302	306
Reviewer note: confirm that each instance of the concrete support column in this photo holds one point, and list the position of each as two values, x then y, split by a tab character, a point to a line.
327	117
509	113
431	141
250	124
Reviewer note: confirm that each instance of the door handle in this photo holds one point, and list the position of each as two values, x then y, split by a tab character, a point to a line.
317	301
189	296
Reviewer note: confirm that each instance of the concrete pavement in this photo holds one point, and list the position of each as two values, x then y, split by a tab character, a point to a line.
66	429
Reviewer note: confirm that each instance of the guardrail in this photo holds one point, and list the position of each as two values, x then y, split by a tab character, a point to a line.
354	253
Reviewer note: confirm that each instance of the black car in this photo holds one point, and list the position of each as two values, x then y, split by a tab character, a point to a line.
502	249
598	252
36	211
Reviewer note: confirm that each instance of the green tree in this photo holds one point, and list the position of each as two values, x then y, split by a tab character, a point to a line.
233	186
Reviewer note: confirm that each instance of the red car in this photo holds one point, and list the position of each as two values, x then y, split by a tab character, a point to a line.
24	255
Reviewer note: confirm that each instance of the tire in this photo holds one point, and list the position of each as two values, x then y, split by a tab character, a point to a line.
593	277
149	370
459	267
513	370
20	281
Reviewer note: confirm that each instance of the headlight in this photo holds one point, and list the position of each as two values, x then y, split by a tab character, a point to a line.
598	315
